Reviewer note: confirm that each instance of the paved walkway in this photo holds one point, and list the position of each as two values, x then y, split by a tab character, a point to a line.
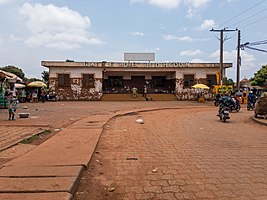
52	170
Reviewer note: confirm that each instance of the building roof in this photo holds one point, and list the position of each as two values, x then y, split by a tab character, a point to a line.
105	64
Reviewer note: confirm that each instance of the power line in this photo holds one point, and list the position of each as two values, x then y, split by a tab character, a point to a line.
242	13
254	22
262	50
248	45
257	43
248	17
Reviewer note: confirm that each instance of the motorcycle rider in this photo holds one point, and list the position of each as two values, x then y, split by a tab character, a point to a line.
235	100
251	98
217	99
225	101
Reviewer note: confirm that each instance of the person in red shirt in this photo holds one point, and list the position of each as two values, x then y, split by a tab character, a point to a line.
43	95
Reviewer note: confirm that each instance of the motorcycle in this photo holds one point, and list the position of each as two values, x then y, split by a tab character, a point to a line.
235	105
224	113
217	100
250	105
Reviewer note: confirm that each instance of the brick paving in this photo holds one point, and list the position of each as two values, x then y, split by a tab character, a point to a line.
176	154
179	154
15	134
58	115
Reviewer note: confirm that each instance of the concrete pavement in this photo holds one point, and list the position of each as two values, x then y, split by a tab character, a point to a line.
52	170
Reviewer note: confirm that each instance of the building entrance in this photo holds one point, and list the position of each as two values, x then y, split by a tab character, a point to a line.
138	82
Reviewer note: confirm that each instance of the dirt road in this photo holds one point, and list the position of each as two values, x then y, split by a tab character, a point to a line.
178	154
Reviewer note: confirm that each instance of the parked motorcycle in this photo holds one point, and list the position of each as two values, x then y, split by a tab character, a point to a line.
224	114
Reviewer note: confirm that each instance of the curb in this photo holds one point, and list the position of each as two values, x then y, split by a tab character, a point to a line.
259	121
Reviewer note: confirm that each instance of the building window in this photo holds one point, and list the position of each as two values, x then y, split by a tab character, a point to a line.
189	80
88	80
211	80
158	81
115	81
63	80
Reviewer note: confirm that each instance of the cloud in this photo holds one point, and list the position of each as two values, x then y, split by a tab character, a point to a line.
186	39
5	1
191	53
57	27
232	1
190	13
171	4
207	24
173	37
196	3
138	34
228	56
170	37
248	65
197	60
183	38
167	4
14	38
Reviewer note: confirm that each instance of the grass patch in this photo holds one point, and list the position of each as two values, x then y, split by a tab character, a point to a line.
35	137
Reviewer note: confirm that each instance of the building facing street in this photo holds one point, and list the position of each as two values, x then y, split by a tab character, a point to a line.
91	80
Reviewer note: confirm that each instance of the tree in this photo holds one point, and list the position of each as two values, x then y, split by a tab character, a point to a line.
14	70
29	80
229	82
260	77
45	76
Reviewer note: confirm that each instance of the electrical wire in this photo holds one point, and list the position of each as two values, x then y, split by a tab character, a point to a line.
248	17
257	43
262	50
241	13
254	22
248	45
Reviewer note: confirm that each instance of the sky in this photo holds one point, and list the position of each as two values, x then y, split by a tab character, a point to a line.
103	30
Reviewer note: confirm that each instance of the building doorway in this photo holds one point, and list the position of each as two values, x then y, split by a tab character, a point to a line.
138	82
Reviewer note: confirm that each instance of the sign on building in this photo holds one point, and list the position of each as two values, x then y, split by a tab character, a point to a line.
139	56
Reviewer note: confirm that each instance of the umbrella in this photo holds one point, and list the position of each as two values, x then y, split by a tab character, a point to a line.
200	86
37	84
19	86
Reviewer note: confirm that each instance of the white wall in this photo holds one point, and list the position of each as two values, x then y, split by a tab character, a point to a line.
74	72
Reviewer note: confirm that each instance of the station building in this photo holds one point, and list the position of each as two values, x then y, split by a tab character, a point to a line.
91	80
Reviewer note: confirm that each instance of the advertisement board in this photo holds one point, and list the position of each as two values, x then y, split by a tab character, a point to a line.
139	56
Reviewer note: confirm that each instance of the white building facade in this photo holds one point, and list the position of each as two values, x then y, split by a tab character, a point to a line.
90	80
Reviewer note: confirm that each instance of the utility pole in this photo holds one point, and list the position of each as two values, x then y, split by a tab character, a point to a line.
238	61
221	70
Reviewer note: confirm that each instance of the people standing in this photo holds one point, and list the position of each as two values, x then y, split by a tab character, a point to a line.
34	96
11	95
145	91
43	95
134	91
23	95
